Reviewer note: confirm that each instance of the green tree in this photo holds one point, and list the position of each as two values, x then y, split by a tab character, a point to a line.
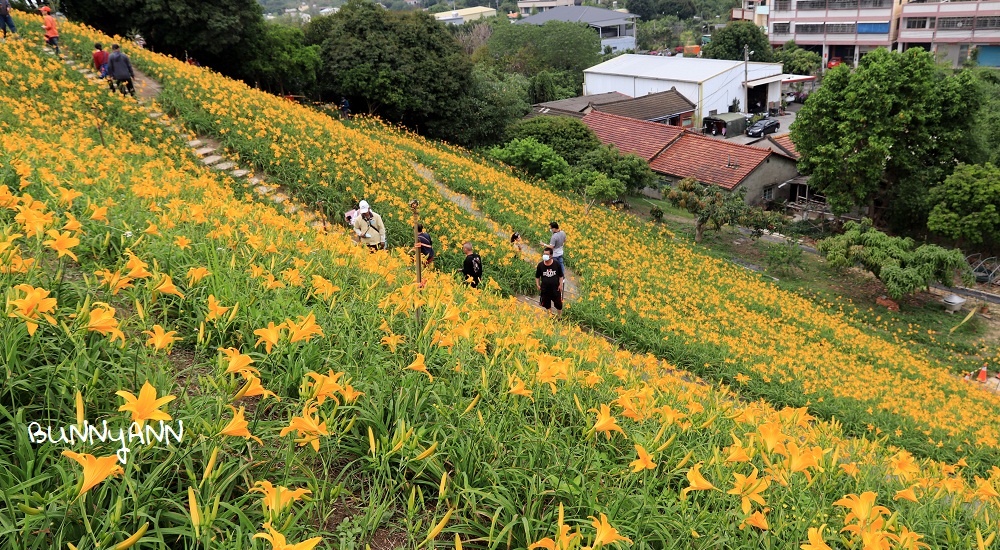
796	60
543	88
902	266
531	156
883	134
569	137
491	104
224	35
729	41
967	204
633	171
404	66
708	204
658	34
602	188
529	49
652	9
290	66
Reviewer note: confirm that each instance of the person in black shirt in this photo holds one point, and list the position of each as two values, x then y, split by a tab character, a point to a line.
472	268
425	244
549	280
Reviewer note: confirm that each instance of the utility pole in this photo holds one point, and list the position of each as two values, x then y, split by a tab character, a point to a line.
746	74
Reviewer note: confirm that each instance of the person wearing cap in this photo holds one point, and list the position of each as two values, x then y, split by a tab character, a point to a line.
368	227
120	70
49	24
6	21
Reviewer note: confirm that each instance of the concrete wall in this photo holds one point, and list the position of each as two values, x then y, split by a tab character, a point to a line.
773	171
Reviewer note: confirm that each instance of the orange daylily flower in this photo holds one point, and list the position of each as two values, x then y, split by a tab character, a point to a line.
758	520
276	499
644	462
323	387
419	366
102	320
863	510
238	363
237	427
146	406
196	274
565	539
308	427
278	541
907	494
35	303
216	310
182	242
254	388
517	387
749	488
66	196
166	286
816	541
605	422
160	339
151	229
115	281
305	329
100	213
269	336
72	224
606	534
136	267
696	480
392	340
62	243
350	394
95	469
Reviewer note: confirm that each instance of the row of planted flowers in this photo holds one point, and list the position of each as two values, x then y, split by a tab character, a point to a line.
481	426
639	284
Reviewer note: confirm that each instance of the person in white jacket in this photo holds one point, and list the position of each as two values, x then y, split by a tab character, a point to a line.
369	228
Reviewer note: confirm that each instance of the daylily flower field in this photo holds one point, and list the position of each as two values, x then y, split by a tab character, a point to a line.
187	366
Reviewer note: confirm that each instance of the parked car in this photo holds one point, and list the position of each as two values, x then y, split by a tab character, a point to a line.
763	126
834	62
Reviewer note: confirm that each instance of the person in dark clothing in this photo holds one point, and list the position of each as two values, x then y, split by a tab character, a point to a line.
345	108
425	243
120	70
472	268
6	21
549	280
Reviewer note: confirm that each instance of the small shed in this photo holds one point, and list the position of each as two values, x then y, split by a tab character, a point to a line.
726	124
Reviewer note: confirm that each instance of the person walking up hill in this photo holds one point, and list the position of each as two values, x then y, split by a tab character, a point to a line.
6	21
49	24
120	70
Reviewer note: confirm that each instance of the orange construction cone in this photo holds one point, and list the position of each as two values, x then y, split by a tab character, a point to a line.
982	374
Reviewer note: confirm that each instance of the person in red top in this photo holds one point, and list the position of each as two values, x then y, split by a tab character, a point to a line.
49	24
100	60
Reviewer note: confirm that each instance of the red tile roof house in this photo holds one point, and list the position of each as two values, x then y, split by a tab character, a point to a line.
676	154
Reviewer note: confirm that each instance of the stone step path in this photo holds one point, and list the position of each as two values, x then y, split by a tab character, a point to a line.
202	147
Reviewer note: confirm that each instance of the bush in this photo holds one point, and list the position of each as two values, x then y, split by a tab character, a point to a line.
783	258
657	213
536	158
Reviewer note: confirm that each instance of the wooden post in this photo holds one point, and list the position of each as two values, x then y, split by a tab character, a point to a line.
417	257
97	123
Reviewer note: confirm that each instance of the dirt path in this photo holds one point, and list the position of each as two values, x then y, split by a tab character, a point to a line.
528	253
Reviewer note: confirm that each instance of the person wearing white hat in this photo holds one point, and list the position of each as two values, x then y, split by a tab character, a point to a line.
368	227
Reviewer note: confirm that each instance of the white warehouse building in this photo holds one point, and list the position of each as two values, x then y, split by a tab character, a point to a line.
712	84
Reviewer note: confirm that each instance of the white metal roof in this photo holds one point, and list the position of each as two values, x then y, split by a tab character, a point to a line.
677	68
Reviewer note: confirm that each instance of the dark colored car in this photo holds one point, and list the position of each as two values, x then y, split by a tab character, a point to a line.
763	126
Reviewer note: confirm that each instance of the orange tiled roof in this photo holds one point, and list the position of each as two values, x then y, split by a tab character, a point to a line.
785	142
629	135
710	161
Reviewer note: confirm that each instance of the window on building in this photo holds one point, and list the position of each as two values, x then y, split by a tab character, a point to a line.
809	28
873	28
843	4
769	193
915	22
782	28
811	4
992	22
840	28
954	23
874	4
782	5
963	53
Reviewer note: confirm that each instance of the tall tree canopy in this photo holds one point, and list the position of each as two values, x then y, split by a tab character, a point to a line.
223	34
530	49
796	60
405	67
967	204
881	135
728	43
653	9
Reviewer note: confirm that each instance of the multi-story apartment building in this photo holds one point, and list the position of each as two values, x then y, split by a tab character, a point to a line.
529	7
953	30
839	30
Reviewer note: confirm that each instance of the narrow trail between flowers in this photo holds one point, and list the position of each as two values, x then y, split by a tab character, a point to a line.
209	150
528	253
